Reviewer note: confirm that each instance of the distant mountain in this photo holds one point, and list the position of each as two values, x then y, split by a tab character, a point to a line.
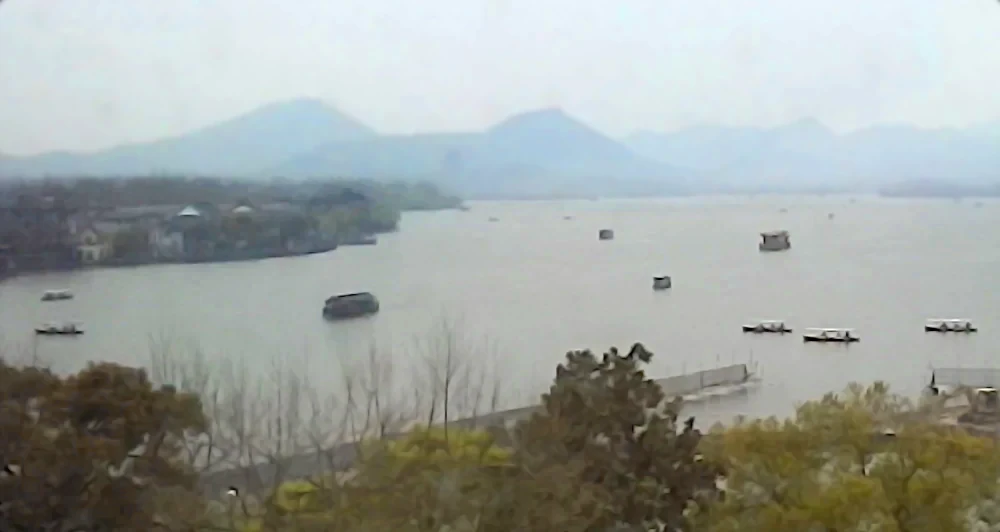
544	152
245	144
807	154
547	153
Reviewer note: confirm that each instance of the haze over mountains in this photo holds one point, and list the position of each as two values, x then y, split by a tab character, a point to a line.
545	152
807	154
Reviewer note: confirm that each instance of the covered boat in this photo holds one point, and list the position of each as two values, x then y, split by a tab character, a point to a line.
767	326
347	306
662	282
605	234
949	325
837	335
774	241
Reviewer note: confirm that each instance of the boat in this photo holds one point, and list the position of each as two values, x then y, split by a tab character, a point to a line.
66	329
662	282
359	240
57	295
346	306
839	335
774	241
605	234
767	326
949	325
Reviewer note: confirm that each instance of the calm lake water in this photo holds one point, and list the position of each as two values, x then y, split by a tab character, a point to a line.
528	287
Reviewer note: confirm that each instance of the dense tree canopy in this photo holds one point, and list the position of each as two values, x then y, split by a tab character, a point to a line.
83	452
616	426
861	460
604	451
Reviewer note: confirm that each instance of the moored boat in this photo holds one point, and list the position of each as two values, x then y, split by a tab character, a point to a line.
767	326
835	335
359	240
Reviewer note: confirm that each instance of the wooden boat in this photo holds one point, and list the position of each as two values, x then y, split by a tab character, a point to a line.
64	329
767	326
835	335
949	325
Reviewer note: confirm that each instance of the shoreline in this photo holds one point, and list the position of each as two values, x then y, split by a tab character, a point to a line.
255	255
113	265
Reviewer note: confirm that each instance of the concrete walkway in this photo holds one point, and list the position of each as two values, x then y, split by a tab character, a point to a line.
338	458
342	456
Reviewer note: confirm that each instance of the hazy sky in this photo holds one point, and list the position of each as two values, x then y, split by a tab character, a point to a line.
86	74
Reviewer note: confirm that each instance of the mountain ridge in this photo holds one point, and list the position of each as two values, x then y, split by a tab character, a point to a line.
806	153
543	152
240	144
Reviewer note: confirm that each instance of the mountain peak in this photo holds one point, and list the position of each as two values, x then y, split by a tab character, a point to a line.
301	113
548	119
297	105
242	145
549	113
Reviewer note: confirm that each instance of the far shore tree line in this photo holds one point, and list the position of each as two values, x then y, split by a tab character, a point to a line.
120	448
35	215
136	191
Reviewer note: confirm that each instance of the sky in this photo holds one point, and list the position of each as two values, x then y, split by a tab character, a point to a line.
89	74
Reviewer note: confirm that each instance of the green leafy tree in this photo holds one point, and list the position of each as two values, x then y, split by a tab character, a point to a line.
861	460
425	480
89	452
613	429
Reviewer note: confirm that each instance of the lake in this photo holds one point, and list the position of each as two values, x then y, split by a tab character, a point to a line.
522	290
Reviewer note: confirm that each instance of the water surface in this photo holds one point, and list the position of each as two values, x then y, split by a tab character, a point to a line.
532	285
